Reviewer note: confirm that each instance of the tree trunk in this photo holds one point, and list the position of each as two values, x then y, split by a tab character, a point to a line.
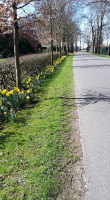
60	49
93	37
68	48
109	50
65	50
94	46
51	30
97	42
76	47
80	42
16	48
71	47
56	48
51	52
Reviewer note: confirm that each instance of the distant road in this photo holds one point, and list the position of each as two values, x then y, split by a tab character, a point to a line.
92	85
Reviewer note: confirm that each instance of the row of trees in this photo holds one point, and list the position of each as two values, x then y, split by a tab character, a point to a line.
98	24
56	25
52	21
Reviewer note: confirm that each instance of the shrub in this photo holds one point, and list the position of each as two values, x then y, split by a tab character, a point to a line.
6	53
15	99
6	49
30	65
25	46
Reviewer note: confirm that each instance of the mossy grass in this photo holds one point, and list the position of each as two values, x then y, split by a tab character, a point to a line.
35	148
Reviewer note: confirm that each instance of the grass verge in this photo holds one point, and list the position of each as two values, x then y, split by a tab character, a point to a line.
100	55
2	59
34	150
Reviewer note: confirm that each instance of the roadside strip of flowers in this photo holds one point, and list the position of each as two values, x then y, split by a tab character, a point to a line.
15	99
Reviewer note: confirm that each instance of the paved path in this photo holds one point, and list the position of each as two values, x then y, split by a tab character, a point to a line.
92	85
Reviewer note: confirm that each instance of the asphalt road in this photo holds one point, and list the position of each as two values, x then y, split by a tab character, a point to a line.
92	86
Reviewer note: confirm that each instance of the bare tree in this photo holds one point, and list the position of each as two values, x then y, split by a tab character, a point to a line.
56	25
9	21
97	18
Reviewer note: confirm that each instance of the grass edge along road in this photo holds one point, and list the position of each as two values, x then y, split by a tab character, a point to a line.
34	150
100	55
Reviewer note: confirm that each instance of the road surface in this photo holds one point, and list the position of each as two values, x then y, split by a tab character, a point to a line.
92	86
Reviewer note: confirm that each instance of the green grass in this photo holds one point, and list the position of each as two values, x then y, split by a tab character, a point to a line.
2	59
34	150
101	55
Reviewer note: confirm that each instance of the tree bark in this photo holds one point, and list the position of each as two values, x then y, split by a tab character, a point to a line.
93	37
56	48
71	47
93	45
51	52
109	50
68	48
76	47
60	48
16	47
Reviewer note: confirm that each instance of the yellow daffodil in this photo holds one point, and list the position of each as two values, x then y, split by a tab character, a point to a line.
4	91
27	97
15	89
11	109
30	90
5	113
11	92
29	80
8	94
21	92
52	70
37	77
18	90
0	102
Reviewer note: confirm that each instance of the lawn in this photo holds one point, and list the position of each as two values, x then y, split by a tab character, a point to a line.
34	149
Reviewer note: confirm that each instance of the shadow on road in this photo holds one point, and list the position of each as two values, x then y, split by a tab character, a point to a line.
89	97
92	97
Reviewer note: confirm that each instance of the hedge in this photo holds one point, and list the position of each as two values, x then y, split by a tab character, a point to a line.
32	64
15	99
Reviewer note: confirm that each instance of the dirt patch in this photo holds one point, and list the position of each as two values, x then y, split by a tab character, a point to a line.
73	177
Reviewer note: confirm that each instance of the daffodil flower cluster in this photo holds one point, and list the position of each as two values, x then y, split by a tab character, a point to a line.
15	99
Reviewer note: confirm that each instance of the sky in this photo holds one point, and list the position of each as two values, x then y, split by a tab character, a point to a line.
27	9
79	17
85	27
